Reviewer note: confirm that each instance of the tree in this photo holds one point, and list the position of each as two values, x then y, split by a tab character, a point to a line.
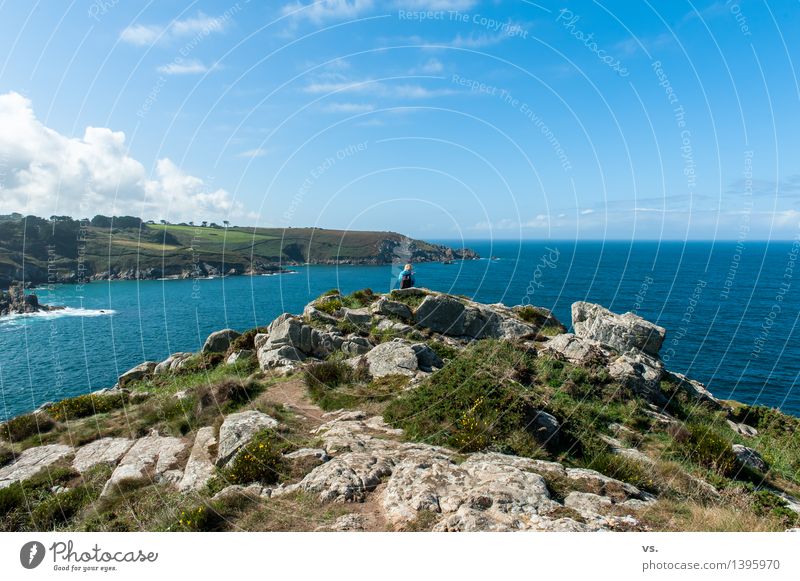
163	222
226	223
204	223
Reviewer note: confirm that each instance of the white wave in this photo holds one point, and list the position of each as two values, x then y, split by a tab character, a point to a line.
17	318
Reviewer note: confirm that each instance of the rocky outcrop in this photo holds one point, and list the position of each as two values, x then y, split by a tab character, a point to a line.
750	458
138	373
32	461
392	358
153	458
200	467
16	302
219	341
172	363
237	430
622	332
486	492
102	451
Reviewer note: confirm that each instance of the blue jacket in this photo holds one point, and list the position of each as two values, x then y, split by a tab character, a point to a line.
400	276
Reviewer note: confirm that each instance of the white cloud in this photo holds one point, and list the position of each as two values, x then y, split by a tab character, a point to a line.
141	35
349	108
180	67
148	34
253	153
430	67
375	88
587	211
47	173
322	10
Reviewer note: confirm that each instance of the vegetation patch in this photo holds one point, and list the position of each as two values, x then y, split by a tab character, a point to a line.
87	405
334	385
412	300
704	445
261	460
25	426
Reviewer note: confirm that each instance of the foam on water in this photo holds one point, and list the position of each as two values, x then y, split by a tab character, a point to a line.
21	318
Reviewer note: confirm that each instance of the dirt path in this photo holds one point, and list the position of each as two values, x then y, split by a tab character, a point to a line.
293	395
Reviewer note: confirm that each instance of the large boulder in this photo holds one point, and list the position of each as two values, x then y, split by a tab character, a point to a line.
138	373
577	350
427	359
640	373
200	467
102	451
622	332
361	318
31	461
392	358
442	314
171	363
693	388
389	308
749	458
153	458
237	430
219	341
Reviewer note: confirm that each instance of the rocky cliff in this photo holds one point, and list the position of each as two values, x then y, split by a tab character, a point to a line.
16	302
415	410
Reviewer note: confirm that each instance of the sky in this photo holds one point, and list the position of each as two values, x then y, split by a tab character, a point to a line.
440	119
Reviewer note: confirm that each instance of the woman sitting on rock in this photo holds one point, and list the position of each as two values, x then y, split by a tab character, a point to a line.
406	277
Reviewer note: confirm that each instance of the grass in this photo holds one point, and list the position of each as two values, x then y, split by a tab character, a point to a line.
86	405
411	300
334	385
26	426
260	461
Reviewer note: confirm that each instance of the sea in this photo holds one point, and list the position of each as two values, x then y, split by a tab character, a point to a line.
730	309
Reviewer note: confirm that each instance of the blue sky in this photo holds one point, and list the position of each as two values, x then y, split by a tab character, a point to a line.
435	118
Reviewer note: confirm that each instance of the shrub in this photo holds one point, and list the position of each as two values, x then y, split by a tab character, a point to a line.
58	509
198	518
87	405
335	384
330	306
245	341
331	292
25	426
412	300
11	497
767	503
705	446
261	460
624	469
471	404
360	298
201	362
443	350
6	455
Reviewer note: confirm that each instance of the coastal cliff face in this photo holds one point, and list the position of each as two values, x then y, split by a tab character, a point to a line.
16	302
64	250
414	410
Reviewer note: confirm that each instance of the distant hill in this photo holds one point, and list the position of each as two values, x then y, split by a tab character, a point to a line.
62	249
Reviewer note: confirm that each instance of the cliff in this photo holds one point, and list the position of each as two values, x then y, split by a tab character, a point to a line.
411	411
64	250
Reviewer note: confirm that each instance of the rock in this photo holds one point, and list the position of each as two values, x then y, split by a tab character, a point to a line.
389	308
235	492
394	327
138	373
694	388
237	430
392	358
577	350
742	429
303	453
427	359
544	426
622	332
345	478
31	461
284	356
260	340
102	451
749	458
237	356
153	458
640	373
542	317
219	341
313	314
442	314
171	363
587	504
355	345
347	522
616	490
200	467
361	318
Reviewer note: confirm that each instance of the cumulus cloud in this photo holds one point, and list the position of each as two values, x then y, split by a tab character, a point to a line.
46	173
148	34
322	10
180	67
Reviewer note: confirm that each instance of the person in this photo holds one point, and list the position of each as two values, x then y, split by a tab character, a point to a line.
406	277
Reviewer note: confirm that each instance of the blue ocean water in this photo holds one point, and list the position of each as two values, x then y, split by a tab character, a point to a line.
731	311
